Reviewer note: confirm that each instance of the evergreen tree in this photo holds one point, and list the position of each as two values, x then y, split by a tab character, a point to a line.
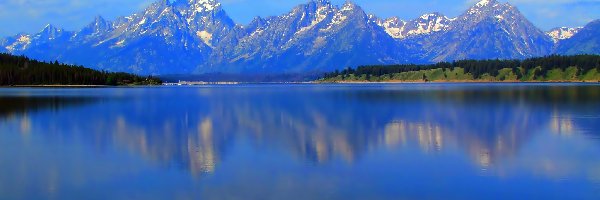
20	70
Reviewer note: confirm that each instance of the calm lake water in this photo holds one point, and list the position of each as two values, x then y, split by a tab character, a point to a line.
388	141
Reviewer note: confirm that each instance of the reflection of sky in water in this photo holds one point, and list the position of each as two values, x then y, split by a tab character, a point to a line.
302	142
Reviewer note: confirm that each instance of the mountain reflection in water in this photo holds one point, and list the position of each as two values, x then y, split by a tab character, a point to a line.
549	131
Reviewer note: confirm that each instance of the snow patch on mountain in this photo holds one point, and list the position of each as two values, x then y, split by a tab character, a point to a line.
423	25
205	5
393	26
321	13
483	3
429	23
563	33
483	6
205	36
21	43
117	44
348	6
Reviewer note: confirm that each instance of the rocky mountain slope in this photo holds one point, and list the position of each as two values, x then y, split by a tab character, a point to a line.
586	41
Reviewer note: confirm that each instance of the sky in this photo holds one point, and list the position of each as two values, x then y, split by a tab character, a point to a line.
30	16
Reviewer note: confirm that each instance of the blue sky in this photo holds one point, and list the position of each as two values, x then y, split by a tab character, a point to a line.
31	15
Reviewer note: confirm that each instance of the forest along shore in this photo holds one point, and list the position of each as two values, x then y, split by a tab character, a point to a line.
60	86
579	68
24	72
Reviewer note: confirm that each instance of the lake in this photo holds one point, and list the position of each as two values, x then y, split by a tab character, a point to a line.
272	141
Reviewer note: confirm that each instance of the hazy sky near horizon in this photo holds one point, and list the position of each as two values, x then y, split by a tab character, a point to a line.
30	16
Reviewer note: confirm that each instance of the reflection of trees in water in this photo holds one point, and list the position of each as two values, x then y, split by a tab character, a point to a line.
20	107
318	127
490	124
314	130
486	132
171	143
16	105
194	131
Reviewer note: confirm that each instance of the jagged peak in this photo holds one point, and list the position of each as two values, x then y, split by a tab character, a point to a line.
484	3
257	21
200	5
428	16
320	2
311	6
394	20
50	28
316	4
489	5
162	2
349	5
156	6
50	32
204	2
491	9
99	18
98	23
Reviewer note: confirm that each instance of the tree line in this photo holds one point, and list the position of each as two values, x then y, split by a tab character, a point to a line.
478	68
20	70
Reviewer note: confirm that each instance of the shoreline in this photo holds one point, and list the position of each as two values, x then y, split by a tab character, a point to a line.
70	86
283	83
415	82
56	86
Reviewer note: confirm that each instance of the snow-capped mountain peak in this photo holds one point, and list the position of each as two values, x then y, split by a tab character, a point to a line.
321	2
423	25
429	23
490	29
490	10
50	32
204	15
485	7
203	5
348	6
430	16
563	33
49	28
484	3
187	36
393	26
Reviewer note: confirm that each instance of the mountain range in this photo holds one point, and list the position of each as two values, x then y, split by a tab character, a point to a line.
197	37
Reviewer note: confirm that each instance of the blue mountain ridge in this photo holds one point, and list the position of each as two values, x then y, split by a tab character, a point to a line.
198	37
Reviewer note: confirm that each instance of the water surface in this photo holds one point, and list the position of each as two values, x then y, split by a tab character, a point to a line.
382	141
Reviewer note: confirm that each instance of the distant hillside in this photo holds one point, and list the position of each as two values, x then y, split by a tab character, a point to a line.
578	68
585	41
20	70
